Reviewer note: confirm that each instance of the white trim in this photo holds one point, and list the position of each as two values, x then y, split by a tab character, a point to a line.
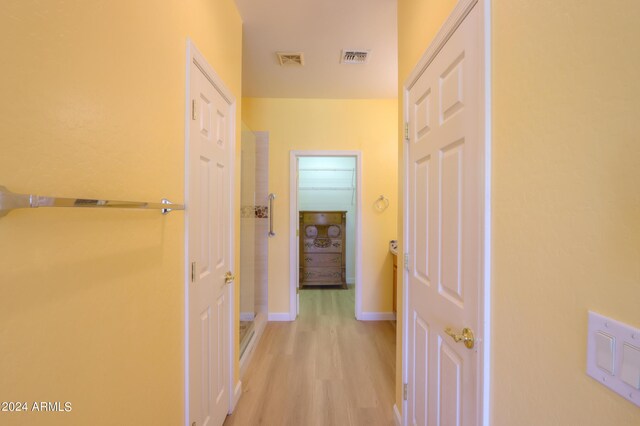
405	251
293	238
377	316
187	261
397	416
235	396
293	225
485	126
452	23
454	20
280	316
194	56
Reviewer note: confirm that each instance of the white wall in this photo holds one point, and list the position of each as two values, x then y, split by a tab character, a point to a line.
328	173
247	224
262	223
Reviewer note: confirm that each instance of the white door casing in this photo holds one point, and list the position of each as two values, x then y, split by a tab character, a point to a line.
294	222
445	233
209	296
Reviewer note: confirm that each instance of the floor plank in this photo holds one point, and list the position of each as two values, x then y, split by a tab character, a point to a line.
323	369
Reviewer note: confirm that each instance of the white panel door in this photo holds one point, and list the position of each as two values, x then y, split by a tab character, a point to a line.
444	238
209	251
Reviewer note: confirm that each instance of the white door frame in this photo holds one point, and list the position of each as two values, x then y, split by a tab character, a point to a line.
196	57
456	17
293	225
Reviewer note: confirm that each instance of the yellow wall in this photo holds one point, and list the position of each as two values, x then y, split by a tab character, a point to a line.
91	302
565	197
320	124
418	23
566	209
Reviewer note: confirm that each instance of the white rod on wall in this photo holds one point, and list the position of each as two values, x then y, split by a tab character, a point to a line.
327	188
326	170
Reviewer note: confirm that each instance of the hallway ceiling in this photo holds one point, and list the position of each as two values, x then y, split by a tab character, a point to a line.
320	30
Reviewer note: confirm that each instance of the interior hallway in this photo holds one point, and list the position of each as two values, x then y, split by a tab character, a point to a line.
323	369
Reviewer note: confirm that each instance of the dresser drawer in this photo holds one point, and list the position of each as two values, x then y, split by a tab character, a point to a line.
322	245
321	276
321	259
323	218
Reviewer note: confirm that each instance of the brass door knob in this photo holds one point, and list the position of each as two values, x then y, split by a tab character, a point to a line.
228	277
466	337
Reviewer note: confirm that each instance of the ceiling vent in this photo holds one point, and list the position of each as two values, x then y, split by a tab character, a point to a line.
290	58
350	56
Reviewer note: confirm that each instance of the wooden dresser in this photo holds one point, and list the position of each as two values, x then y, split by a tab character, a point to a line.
322	248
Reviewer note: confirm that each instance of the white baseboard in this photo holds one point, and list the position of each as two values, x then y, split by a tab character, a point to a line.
377	316
247	316
237	393
279	316
397	415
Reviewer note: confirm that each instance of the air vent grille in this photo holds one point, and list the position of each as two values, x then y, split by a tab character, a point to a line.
291	58
352	56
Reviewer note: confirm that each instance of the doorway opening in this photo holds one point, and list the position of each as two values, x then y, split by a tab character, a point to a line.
325	218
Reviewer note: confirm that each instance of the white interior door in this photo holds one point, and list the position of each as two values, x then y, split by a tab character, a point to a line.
444	235
209	249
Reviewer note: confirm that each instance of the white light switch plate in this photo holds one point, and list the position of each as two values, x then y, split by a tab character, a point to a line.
600	353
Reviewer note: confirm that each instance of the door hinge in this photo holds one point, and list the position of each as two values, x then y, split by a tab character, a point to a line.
406	131
193	272
405	391
193	109
406	261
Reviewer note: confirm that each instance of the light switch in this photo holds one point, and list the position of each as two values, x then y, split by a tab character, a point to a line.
605	352
630	371
613	356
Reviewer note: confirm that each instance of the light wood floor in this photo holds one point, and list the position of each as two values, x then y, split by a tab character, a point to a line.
323	369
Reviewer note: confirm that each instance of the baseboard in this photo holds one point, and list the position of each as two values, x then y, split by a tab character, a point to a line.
377	316
247	316
279	316
397	416
237	393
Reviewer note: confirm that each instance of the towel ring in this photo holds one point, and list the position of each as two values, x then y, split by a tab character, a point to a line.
381	203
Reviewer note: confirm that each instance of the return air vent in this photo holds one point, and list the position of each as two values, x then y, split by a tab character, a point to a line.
291	58
350	56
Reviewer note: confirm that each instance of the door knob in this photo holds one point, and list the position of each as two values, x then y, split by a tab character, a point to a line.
228	277
466	337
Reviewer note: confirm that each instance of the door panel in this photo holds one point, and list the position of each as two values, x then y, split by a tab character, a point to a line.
205	358
444	191
421	246
420	361
209	247
220	347
449	375
450	220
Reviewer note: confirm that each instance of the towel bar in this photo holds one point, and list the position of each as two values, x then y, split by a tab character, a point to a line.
11	201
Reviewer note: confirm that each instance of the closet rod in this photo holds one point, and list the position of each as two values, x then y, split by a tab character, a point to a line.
11	201
327	188
326	170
